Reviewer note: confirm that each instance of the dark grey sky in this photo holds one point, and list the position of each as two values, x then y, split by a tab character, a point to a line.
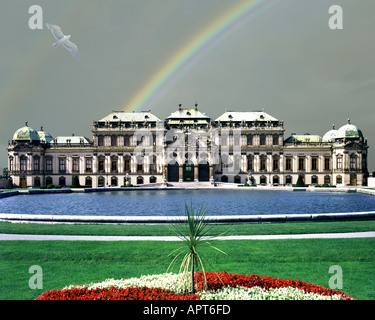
283	58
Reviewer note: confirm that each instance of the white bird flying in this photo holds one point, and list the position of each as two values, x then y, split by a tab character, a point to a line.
63	40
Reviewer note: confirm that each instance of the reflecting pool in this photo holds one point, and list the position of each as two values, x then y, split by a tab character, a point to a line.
171	202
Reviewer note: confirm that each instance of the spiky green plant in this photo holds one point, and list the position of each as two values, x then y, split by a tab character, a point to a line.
194	234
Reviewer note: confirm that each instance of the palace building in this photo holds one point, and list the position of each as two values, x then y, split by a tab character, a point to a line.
139	148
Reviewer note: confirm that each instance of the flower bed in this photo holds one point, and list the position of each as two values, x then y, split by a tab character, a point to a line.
171	286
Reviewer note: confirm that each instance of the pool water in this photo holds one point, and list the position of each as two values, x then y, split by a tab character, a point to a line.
172	202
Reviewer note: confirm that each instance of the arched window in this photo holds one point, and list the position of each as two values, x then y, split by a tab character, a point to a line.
48	181
139	180
263	180
339	180
114	182
276	180
101	182
314	180
37	182
152	179
288	180
62	181
88	182
237	179
327	179
224	178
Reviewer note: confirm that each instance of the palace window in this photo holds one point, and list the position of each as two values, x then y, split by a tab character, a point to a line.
100	141
75	165
101	165
353	164
249	140
288	164
88	165
113	164
49	164
327	163
275	164
327	179
36	164
139	167
263	163
275	140
62	181
113	141
250	163
126	164
339	180
262	140
301	163
314	180
339	162
23	163
126	141
62	165
314	164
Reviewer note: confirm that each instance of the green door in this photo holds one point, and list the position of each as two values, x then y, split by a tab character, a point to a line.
188	171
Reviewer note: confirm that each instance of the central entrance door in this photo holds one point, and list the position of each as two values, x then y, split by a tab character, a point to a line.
188	171
204	172
173	172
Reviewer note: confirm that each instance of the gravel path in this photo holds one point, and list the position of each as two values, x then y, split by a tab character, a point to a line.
12	237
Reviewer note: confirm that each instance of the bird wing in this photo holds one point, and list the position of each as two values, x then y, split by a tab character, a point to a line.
56	31
69	45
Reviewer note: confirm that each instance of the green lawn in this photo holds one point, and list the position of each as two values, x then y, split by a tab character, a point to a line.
163	230
79	262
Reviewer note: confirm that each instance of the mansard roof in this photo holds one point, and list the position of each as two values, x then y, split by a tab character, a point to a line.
130	116
238	116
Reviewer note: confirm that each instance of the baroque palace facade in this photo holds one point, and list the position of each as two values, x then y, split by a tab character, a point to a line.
138	148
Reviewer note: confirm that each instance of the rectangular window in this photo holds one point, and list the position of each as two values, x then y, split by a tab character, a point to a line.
62	167
126	141
249	140
36	164
23	164
288	164
75	165
113	141
126	165
275	140
88	165
250	163
339	163
49	164
114	165
327	163
139	167
262	164
275	164
262	140
352	163
314	164
101	165
100	141
301	164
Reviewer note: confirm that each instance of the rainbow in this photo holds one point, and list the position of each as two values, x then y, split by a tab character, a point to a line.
191	51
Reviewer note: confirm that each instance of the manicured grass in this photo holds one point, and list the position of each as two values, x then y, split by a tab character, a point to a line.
165	230
79	262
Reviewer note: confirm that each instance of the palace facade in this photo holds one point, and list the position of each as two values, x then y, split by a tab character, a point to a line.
139	148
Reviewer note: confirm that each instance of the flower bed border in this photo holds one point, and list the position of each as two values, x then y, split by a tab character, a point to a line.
214	284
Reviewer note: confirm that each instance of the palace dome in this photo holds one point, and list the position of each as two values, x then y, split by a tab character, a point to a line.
349	131
26	134
44	136
330	135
